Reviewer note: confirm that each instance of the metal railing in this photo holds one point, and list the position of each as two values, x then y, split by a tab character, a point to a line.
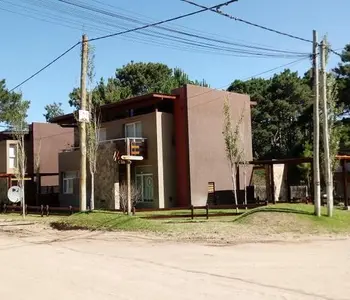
71	149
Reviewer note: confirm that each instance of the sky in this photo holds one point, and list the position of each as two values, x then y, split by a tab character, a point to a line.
27	44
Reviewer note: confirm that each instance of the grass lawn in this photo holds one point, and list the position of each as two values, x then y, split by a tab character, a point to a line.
340	222
101	220
280	218
269	222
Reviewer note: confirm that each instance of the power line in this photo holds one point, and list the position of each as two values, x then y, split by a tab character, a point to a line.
164	21
46	66
268	71
218	11
250	77
180	32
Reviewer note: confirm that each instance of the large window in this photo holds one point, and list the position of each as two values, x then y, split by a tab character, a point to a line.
133	130
12	156
144	183
68	182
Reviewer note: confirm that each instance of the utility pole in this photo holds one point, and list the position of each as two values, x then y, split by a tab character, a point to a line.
316	124
128	176
82	125
329	179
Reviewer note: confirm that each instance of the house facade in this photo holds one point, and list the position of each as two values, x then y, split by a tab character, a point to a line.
180	137
43	142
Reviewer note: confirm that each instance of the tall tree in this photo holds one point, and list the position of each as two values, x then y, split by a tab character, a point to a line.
342	72
53	110
233	145
134	79
281	101
93	127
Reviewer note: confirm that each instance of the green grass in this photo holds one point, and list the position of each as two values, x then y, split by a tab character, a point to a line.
105	221
282	217
339	223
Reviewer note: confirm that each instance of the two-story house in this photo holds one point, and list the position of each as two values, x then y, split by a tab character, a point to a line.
43	142
180	137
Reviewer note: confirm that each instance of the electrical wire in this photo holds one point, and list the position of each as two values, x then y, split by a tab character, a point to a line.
132	19
163	21
218	11
190	44
46	66
130	31
244	79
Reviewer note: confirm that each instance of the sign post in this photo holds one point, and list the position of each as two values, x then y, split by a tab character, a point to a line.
128	159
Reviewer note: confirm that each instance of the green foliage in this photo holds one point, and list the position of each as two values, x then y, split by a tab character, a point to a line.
53	110
281	101
231	136
13	109
342	71
135	79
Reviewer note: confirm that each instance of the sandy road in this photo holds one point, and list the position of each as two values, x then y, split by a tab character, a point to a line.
83	265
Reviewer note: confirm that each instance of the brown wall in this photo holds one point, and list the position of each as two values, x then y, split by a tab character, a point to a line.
166	160
69	161
206	144
3	157
181	146
48	140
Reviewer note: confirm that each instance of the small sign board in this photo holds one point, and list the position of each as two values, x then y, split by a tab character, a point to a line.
84	116
131	157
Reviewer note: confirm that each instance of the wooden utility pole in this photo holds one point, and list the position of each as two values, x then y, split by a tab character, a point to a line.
316	124
327	162
82	125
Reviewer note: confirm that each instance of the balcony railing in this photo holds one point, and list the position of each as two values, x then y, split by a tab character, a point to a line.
124	146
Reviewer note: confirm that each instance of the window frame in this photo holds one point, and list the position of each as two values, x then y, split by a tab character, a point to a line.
12	157
68	182
134	129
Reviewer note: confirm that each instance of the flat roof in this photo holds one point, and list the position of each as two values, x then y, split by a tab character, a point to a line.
129	103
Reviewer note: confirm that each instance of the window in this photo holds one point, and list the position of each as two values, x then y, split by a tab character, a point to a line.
145	183
102	134
133	130
12	156
68	182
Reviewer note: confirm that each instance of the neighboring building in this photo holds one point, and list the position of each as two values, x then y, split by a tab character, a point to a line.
180	136
43	142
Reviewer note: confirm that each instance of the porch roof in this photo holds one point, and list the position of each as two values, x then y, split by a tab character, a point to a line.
120	106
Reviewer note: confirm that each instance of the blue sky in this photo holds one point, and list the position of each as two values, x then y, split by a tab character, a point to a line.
28	44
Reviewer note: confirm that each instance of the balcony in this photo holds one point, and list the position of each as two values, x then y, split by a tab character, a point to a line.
132	146
124	146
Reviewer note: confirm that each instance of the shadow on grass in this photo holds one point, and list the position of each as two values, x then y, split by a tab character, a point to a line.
273	210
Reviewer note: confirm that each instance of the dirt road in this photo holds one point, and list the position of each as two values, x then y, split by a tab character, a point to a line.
85	265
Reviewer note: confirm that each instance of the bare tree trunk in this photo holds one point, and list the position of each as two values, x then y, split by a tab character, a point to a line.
234	185
23	196
92	196
245	187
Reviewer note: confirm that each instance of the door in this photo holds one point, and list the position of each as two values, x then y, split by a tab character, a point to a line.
144	183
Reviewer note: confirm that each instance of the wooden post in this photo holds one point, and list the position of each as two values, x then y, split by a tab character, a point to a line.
345	182
207	211
192	212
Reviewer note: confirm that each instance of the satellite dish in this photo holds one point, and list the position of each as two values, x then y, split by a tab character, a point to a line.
14	194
